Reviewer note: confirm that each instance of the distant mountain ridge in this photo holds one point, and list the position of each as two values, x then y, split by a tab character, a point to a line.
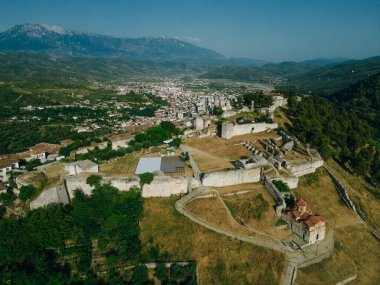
58	40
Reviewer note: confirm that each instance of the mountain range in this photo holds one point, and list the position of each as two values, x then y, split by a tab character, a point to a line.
61	41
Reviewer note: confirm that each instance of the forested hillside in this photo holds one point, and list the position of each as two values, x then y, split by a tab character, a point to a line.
346	128
326	80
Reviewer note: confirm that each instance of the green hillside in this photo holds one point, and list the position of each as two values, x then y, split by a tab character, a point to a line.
329	79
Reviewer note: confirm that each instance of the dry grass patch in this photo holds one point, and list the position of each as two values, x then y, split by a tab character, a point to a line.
359	191
120	166
213	211
243	204
218	147
54	170
208	164
241	187
324	199
330	271
220	259
35	178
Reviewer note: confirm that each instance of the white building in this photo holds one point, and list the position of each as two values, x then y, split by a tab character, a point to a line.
6	165
78	167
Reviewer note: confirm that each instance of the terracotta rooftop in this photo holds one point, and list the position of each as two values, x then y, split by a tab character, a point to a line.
44	147
314	220
66	142
301	202
6	161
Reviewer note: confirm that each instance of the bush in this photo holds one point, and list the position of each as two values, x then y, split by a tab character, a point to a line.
7	198
3	210
26	192
176	142
146	178
94	180
162	272
129	149
140	275
281	186
280	222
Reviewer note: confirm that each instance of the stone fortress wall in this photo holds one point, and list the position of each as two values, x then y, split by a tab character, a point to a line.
305	167
230	130
161	186
76	182
165	186
231	177
56	194
272	189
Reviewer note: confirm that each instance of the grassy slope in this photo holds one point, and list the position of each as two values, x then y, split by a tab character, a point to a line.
221	260
356	245
360	193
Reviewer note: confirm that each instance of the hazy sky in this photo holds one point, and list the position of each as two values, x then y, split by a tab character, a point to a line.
272	30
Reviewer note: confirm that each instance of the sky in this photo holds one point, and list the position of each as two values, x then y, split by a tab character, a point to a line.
275	30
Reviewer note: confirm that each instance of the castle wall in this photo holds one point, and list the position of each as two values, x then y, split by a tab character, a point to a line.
73	183
161	186
51	195
230	130
291	181
165	186
272	189
123	184
231	177
303	168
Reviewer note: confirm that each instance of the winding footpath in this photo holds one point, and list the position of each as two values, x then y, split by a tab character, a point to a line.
294	258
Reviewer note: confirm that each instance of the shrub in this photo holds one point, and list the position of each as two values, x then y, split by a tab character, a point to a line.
26	192
3	210
281	186
176	142
146	178
93	180
162	272
140	275
280	222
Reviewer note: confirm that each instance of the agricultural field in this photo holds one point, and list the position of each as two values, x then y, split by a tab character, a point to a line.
220	260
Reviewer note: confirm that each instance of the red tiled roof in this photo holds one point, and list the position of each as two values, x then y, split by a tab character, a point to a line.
301	202
314	220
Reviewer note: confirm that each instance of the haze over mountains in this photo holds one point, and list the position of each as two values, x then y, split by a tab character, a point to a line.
58	40
61	41
71	55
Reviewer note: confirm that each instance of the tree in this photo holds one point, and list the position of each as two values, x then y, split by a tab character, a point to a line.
27	192
146	178
3	210
162	272
94	180
176	142
217	111
140	275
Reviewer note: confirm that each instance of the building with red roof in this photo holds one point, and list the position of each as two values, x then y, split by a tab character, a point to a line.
303	222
